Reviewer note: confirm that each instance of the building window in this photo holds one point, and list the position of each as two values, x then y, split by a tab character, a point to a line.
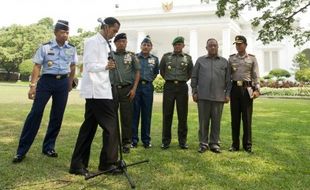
271	60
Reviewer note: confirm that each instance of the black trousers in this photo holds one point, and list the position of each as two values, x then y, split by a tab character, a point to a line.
241	106
175	93
125	107
102	112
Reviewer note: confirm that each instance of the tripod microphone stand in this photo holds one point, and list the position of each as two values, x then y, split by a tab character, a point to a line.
121	164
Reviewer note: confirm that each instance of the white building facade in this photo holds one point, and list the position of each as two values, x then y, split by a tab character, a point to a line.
196	21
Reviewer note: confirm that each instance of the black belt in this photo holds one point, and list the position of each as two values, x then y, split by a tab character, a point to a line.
121	86
175	81
242	83
56	76
144	81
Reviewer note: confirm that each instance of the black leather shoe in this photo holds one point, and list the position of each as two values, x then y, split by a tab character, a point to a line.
18	158
80	171
215	150
126	149
111	169
51	153
248	150
164	146
233	149
183	146
202	149
147	146
134	145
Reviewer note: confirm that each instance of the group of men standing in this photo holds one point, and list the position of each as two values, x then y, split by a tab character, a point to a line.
122	81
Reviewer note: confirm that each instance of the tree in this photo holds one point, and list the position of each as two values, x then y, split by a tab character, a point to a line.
300	61
25	69
20	42
275	21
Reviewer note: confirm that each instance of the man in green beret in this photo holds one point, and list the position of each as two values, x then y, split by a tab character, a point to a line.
175	68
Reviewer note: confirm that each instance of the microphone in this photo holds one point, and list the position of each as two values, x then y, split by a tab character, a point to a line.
101	21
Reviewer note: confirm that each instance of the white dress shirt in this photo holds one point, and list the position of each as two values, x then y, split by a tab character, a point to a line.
95	78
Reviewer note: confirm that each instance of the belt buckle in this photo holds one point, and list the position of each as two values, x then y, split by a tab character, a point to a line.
175	82
119	86
143	82
239	83
58	76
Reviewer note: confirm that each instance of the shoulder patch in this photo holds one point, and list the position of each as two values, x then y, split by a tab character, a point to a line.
71	44
251	55
49	42
232	54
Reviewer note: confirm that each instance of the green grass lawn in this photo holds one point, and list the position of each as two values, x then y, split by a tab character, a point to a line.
281	159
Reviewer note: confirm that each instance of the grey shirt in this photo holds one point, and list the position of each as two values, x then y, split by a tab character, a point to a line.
211	78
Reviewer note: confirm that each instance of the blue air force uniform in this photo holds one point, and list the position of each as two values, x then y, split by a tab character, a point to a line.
55	64
143	101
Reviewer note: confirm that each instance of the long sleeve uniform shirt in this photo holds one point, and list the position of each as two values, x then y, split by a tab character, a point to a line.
95	81
211	78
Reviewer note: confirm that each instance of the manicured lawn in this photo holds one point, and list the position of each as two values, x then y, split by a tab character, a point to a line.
281	135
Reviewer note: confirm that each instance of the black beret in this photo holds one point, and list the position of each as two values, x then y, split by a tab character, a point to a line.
62	25
240	39
120	36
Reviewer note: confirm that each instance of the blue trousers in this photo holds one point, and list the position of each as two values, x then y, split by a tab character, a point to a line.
143	104
46	87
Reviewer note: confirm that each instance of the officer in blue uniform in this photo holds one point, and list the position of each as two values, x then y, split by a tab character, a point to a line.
143	101
56	59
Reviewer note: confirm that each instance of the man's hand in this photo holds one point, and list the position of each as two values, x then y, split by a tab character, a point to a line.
32	93
195	97
110	65
227	99
131	94
255	94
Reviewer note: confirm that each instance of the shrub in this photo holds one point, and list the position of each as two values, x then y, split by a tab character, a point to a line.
303	75
279	73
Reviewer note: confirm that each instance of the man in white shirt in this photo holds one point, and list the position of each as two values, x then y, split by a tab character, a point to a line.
99	107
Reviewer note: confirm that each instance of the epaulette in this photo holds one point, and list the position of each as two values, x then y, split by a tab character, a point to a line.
130	52
251	55
49	42
232	55
71	44
187	54
169	53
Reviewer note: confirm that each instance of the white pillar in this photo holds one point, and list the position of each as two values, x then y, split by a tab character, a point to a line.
140	37
193	45
226	43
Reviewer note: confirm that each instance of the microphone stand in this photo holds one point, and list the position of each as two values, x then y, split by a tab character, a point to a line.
121	164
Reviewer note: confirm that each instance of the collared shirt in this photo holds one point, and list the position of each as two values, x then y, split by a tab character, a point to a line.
55	59
211	78
127	64
176	66
149	67
244	68
95	81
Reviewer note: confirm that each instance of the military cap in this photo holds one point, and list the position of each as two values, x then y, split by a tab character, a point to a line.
240	39
178	39
120	36
62	25
147	39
